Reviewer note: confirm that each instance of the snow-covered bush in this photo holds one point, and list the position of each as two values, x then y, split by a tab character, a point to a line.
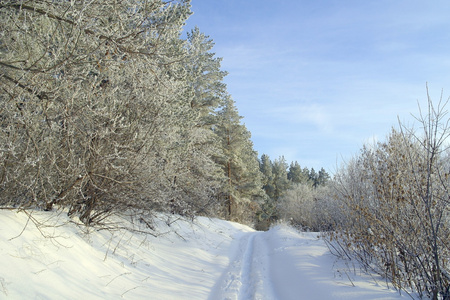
95	113
308	207
395	196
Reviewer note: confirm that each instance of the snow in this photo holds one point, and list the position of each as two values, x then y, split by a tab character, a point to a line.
203	259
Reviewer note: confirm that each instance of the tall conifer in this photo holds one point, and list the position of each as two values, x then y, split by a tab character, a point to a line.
239	162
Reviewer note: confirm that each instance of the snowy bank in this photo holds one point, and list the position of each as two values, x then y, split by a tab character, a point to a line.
204	259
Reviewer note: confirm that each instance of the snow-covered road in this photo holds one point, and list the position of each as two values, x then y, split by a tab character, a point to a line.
285	264
248	273
207	259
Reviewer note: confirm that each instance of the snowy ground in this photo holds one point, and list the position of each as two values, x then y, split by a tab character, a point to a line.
207	259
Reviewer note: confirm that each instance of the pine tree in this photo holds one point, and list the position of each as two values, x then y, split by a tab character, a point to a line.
306	173
280	179
205	78
313	177
266	170
323	177
268	209
296	174
197	146
89	106
239	162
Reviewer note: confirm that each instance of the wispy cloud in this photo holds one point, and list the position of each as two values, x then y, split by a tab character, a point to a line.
317	79
304	114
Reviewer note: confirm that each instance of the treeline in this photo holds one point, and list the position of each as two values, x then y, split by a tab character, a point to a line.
106	107
293	194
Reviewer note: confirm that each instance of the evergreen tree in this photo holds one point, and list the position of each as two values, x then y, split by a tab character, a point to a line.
205	78
204	92
296	174
323	177
240	164
89	107
266	170
306	173
268	208
313	177
280	179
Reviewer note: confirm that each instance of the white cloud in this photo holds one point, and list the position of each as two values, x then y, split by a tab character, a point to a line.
304	114
317	79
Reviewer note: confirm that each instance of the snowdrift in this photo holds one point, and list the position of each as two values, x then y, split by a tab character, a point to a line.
203	259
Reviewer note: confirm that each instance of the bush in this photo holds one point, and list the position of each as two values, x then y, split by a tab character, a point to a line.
308	207
395	197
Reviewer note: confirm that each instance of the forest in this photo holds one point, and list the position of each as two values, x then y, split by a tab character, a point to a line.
106	108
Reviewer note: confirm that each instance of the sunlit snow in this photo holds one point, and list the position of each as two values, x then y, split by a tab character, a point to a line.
206	259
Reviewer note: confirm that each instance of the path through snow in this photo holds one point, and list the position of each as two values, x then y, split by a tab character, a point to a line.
285	264
207	259
248	272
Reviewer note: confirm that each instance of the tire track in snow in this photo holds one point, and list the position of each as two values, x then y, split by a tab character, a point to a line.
248	274
247	264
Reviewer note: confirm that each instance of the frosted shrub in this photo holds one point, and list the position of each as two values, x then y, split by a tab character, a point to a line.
395	197
308	207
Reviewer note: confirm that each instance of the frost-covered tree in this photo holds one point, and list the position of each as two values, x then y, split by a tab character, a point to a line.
395	197
308	207
291	195
199	178
205	77
88	103
297	205
240	165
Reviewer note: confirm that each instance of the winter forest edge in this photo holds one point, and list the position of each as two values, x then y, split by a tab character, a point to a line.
106	109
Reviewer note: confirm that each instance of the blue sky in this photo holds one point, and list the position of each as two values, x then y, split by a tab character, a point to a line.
315	80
